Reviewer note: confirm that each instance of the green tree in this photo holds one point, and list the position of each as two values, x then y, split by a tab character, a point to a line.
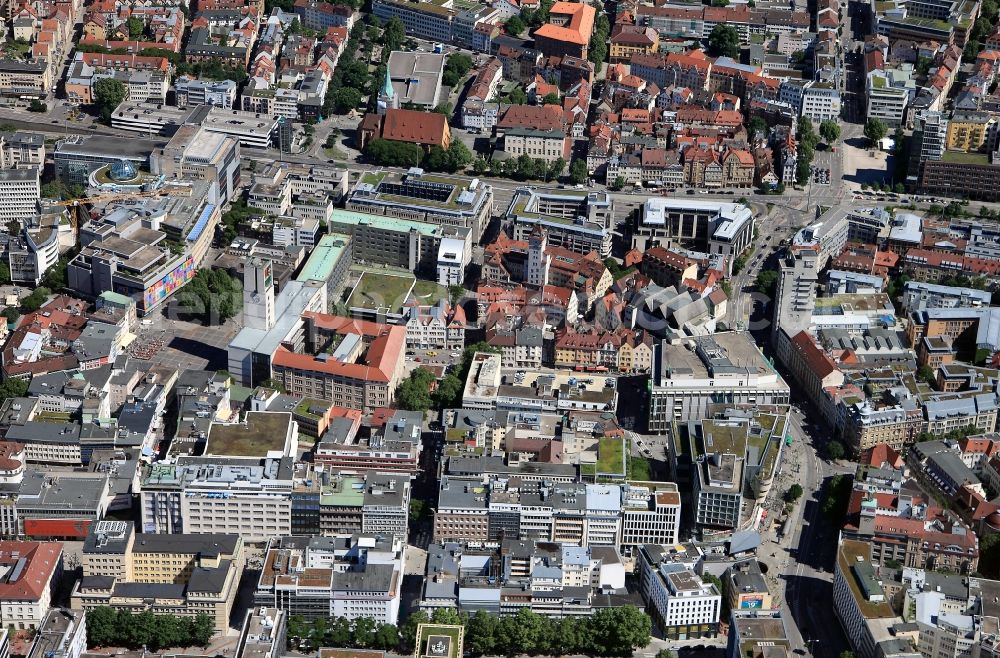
55	277
135	27
665	653
793	493
414	393
447	616
363	632
346	99
38	106
387	637
456	67
394	154
108	94
480	633
829	130
724	41
578	173
340	633
621	630
554	170
13	388
212	297
443	108
161	52
807	134
449	392
515	25
567	636
408	631
835	450
394	34
551	98
802	167
598	47
517	96
202	629
34	301
618	184
875	130
102	630
757	127
417	510
766	281
436	159
989	555
4	274
480	166
459	156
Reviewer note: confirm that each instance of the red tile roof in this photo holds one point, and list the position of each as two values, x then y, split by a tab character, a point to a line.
11	456
540	117
40	562
579	28
882	454
387	343
415	127
816	360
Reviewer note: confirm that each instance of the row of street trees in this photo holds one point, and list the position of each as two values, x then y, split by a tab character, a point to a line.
521	168
608	632
108	627
361	633
402	154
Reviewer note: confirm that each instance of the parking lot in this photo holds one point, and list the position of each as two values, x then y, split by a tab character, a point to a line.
820	175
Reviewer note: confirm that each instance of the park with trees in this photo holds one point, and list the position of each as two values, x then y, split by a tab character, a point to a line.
211	297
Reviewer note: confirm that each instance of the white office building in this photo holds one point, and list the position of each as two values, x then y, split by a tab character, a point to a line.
687	378
821	102
19	194
348	576
225	495
684	605
709	227
651	513
191	92
888	93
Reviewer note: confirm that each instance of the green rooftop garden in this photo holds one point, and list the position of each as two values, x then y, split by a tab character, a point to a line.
961	157
611	456
429	292
303	408
380	291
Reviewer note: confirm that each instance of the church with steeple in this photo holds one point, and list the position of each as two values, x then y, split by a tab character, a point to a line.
387	98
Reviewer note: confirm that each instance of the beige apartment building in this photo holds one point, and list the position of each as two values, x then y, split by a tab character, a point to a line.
176	574
548	145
